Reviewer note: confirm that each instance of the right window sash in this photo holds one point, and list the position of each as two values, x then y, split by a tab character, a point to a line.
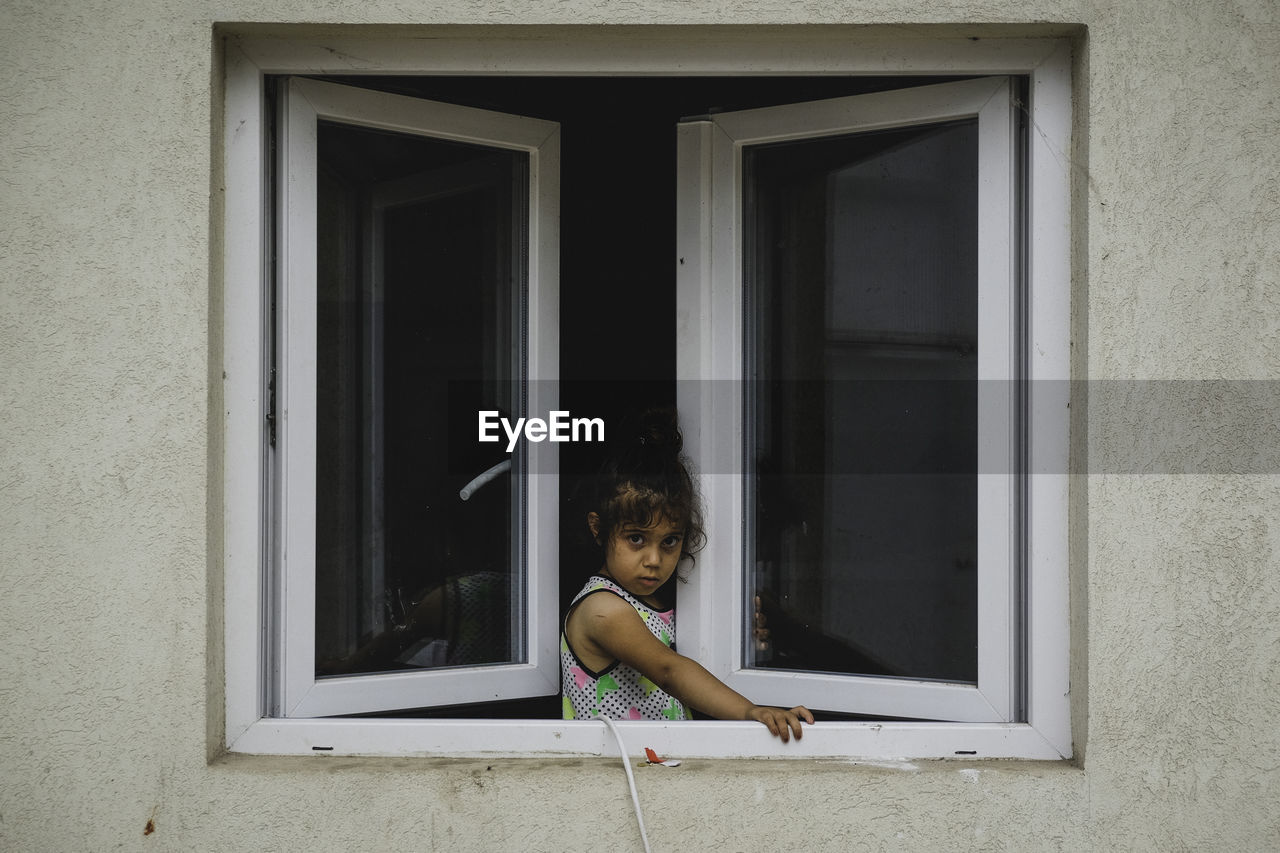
867	251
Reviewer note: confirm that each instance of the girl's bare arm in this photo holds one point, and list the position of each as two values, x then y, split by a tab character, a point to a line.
613	627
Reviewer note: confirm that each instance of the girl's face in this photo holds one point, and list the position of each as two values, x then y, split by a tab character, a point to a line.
641	559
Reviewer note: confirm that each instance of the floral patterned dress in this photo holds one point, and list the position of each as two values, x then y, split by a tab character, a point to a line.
618	691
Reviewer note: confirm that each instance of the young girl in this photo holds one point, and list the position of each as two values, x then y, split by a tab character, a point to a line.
617	652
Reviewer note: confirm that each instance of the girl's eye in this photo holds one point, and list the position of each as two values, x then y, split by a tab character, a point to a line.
671	541
635	539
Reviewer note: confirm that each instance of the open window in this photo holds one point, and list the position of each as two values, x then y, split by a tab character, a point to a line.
856	287
849	283
415	243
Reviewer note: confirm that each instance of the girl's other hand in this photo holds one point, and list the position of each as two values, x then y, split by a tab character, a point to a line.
779	721
759	629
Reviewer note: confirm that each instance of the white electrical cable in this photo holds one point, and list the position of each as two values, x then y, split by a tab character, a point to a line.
631	779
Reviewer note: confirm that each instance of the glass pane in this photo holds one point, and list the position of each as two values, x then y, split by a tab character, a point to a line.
419	286
862	292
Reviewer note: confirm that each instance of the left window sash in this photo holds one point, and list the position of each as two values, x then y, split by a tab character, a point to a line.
415	287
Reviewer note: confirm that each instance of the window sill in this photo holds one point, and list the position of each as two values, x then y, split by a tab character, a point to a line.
696	739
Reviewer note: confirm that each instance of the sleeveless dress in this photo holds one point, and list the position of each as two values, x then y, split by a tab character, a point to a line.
618	691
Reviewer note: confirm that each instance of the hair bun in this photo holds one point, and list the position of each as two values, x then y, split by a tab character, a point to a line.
659	429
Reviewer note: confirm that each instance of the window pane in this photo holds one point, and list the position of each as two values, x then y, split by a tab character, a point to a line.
861	264
420	246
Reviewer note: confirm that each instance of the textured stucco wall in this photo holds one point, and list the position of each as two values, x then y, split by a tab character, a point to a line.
109	306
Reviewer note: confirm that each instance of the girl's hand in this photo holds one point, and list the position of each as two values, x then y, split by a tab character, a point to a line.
780	721
759	629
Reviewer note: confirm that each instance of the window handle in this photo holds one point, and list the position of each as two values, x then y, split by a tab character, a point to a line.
471	488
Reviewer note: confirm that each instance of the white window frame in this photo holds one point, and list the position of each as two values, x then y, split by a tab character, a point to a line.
299	693
245	503
711	155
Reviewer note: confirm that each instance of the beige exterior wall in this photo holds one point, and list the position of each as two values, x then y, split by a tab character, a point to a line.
109	472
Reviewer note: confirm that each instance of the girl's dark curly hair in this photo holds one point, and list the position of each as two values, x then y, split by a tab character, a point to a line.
644	478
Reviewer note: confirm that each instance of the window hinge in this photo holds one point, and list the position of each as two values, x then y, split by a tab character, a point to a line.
271	408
